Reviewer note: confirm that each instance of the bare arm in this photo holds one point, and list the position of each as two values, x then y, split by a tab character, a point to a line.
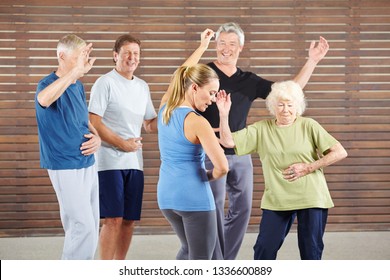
205	38
198	130
53	91
334	154
297	170
193	59
108	136
316	54
224	103
150	125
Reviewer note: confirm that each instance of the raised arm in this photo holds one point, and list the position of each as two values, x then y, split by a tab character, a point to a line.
224	103
53	91
205	38
193	59
316	54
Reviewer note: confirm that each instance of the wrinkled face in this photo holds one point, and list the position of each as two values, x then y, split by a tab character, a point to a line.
228	48
204	96
286	111
127	59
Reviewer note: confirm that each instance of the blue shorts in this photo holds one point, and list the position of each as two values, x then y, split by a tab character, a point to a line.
121	193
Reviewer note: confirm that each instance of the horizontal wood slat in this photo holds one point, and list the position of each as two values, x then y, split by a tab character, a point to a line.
348	93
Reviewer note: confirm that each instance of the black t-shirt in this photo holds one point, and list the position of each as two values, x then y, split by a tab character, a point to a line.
244	88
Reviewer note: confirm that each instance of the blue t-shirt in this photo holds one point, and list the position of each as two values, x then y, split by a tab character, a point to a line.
61	128
183	183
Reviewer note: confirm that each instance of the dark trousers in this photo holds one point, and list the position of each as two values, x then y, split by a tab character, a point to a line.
232	225
275	225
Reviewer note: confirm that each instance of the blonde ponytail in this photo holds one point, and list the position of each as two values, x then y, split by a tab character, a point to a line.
183	78
178	93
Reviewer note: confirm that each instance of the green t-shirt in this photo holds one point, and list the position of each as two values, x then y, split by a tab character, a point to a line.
279	147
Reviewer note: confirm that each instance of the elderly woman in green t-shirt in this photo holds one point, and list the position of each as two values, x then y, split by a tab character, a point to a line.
293	150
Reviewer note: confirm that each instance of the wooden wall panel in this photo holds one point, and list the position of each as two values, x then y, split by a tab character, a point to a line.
349	92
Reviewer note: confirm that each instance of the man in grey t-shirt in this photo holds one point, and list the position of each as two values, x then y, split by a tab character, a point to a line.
120	105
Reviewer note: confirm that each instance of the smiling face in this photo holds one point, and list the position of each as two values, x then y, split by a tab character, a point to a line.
204	96
127	59
228	48
285	112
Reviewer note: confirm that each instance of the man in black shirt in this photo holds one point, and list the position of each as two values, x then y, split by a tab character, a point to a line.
244	87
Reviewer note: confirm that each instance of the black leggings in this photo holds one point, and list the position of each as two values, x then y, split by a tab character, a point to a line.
197	231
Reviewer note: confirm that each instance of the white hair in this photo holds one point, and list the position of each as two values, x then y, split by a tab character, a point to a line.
287	90
68	43
231	27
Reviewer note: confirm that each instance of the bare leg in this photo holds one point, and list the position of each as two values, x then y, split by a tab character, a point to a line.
109	235
124	239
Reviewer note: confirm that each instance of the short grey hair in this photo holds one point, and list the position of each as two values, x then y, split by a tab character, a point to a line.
286	90
231	27
69	42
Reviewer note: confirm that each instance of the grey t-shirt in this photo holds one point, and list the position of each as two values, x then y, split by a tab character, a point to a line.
123	105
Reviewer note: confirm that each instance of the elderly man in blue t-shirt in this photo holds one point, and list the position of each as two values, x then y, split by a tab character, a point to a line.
67	142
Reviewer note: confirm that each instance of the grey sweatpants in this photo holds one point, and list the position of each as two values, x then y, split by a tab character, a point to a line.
232	226
77	192
197	231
